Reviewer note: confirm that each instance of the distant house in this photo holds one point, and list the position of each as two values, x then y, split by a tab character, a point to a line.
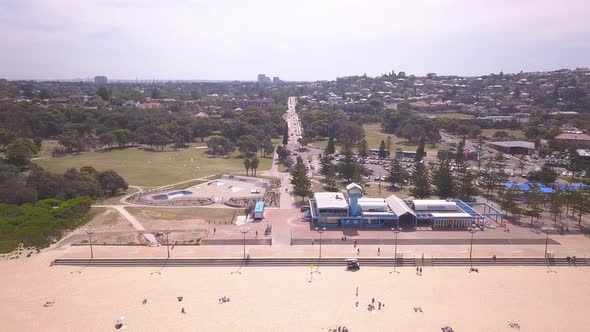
78	99
514	147
578	139
148	105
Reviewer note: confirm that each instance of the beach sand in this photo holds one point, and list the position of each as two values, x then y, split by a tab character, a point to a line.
283	299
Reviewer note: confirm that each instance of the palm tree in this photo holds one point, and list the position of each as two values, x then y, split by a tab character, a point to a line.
254	164
247	165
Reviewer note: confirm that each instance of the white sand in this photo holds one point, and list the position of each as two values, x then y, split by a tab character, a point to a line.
282	299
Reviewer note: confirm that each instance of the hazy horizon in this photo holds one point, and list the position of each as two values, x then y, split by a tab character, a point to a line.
295	40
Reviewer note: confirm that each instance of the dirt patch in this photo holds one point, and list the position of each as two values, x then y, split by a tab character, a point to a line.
108	220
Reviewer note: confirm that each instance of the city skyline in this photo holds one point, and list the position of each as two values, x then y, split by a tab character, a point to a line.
297	41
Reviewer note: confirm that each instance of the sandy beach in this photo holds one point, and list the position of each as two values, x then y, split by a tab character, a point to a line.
283	299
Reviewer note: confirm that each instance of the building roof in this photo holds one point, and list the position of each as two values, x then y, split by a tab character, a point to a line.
367	203
573	137
326	200
515	144
398	206
451	215
353	185
434	205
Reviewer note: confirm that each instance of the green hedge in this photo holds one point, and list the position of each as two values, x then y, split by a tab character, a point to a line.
34	225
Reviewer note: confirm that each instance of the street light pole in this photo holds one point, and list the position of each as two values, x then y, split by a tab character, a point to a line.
320	230
472	230
244	231
167	232
90	232
546	230
395	230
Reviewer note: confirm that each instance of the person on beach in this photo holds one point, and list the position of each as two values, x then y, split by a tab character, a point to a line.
358	251
182	311
420	270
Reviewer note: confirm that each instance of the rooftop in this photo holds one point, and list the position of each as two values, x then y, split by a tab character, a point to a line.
326	200
515	144
573	137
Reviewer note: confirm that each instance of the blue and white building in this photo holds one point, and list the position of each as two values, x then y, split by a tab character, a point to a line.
333	209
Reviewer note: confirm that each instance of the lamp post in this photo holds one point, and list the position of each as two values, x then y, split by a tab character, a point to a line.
396	231
90	232
472	230
167	232
244	231
320	230
546	230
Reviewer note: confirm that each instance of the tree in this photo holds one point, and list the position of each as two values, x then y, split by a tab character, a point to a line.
507	200
300	181
286	134
110	182
580	202
363	149
103	93
107	139
248	146
282	152
465	187
182	136
397	174
382	151
247	165
155	93
6	137
442	180
331	147
546	175
20	151
420	150
220	146
254	164
328	170
202	128
267	148
349	169
488	177
124	137
460	153
533	202
72	140
421	181
556	205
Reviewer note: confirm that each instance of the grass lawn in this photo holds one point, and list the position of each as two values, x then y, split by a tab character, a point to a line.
373	191
374	134
517	133
150	169
208	215
282	168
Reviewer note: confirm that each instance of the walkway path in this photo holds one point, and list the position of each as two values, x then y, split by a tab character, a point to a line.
134	222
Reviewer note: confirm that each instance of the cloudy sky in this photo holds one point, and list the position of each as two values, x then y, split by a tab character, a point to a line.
296	40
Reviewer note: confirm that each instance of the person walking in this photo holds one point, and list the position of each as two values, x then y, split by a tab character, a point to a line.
358	251
378	251
214	230
420	270
357	291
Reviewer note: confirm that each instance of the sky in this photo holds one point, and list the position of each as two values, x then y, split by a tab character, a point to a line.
295	40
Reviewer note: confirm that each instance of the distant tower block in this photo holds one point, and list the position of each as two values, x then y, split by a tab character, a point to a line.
100	80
